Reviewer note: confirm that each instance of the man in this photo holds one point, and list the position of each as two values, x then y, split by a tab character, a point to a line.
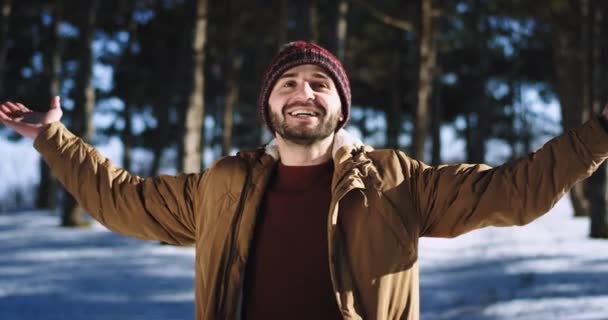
315	225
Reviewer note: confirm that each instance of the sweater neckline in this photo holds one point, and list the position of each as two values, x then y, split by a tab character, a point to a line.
302	177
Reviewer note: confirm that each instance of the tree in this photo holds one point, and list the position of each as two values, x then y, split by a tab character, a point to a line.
5	15
382	53
596	187
84	101
51	85
233	62
426	76
341	29
193	139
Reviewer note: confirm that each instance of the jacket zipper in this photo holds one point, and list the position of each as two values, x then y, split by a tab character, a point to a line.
233	237
334	208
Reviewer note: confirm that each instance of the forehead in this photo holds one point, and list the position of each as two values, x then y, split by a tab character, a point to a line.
306	70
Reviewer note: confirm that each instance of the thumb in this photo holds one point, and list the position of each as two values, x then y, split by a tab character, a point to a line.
56	102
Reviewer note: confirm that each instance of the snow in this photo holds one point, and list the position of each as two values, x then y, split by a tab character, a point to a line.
47	272
549	269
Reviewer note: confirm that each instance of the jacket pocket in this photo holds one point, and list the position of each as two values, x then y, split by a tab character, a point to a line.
389	213
216	212
375	238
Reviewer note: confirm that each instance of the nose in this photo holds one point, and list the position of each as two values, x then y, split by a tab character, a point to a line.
305	91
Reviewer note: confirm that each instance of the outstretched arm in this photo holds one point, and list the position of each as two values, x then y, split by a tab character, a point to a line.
454	199
159	208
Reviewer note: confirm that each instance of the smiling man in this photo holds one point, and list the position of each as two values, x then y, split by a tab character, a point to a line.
315	225
307	98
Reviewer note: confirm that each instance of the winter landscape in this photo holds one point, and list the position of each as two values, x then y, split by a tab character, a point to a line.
547	270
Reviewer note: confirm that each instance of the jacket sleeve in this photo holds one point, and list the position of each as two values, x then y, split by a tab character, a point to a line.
454	199
158	208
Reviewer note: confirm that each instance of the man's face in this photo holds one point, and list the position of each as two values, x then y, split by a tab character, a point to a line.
305	106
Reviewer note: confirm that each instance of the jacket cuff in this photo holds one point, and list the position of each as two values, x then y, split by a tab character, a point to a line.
51	137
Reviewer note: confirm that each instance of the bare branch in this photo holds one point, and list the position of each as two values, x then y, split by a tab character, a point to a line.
385	18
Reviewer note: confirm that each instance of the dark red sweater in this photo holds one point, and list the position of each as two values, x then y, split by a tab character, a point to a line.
287	273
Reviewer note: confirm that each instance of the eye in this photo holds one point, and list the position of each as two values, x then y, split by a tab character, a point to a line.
322	85
289	84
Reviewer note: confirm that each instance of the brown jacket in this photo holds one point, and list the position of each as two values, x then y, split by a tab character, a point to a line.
382	203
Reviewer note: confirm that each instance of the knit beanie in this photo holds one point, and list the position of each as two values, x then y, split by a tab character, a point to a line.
298	53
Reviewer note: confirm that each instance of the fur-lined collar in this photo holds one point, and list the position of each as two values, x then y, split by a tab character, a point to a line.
342	138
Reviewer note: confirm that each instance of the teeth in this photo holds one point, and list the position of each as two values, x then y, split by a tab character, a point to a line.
303	113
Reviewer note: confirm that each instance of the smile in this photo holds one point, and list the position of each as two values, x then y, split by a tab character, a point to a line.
303	113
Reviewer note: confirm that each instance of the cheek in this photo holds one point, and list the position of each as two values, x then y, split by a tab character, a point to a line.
336	104
275	103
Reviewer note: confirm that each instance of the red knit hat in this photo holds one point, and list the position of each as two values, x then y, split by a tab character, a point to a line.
298	53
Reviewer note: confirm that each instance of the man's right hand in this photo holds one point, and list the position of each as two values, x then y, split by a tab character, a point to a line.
27	122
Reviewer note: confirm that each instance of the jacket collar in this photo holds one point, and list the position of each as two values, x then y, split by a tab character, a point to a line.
352	166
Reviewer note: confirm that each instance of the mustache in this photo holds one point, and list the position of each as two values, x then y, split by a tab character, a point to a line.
309	103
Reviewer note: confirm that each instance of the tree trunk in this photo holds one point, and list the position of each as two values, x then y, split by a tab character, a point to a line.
341	30
597	51
436	126
84	103
193	140
300	11
596	193
436	101
46	195
567	82
394	113
7	8
128	138
230	99
596	185
476	142
313	15
428	56
233	64
162	132
585	58
283	21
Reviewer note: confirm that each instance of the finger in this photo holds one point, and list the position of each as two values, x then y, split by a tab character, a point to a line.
10	106
5	109
3	114
56	102
4	118
12	110
22	107
13	107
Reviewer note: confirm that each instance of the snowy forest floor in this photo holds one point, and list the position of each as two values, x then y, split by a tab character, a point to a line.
549	269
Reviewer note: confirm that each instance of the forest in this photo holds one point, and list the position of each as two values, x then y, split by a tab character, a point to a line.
179	79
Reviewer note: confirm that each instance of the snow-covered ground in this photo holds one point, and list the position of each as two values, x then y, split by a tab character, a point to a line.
47	272
546	270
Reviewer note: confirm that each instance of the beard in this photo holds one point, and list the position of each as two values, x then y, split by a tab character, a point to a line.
303	135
